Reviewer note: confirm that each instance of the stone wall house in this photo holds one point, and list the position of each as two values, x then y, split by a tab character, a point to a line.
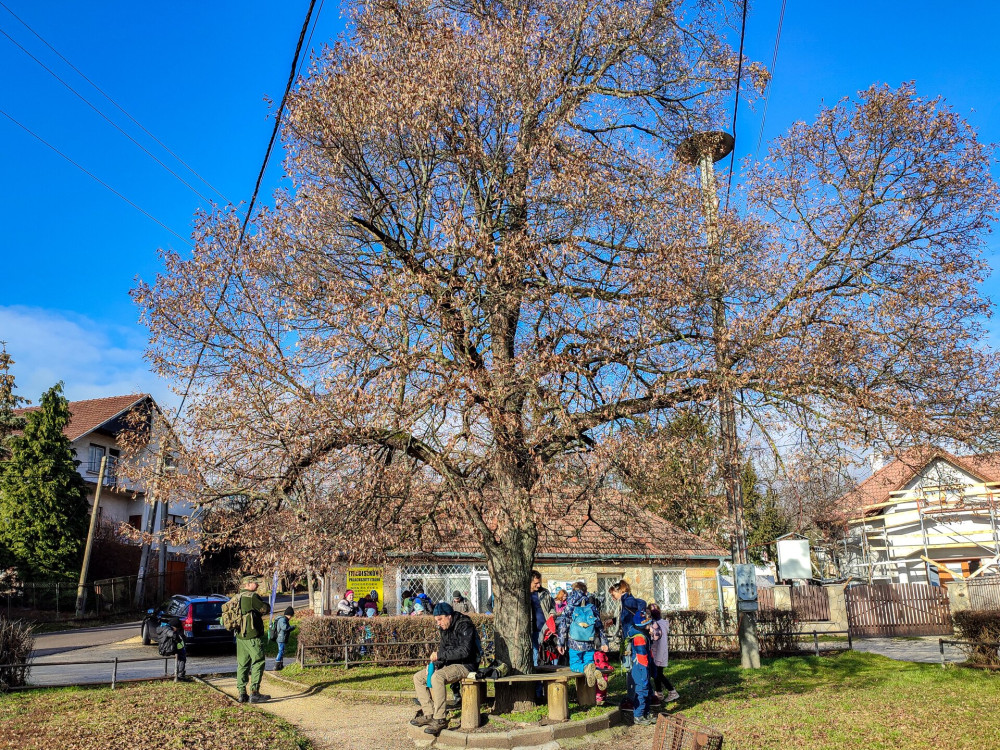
599	542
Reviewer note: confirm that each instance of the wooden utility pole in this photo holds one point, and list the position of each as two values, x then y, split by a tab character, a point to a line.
81	589
703	150
148	526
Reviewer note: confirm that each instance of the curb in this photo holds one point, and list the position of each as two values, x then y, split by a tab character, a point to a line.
407	695
517	738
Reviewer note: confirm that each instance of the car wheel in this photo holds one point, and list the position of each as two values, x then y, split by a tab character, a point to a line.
146	640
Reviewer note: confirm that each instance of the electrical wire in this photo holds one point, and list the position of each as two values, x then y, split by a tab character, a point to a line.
319	12
90	174
120	108
250	207
115	125
774	63
736	106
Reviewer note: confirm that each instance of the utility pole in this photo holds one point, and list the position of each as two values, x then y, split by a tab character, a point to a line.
81	589
703	150
162	568
148	526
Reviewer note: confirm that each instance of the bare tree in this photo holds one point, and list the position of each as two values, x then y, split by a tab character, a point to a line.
490	263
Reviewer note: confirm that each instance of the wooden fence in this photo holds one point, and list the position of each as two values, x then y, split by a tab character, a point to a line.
765	598
984	593
812	603
897	609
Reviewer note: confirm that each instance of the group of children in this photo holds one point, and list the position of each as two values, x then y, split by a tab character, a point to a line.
170	639
367	606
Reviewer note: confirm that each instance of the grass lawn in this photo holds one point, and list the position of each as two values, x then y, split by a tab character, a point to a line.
141	715
850	701
355	678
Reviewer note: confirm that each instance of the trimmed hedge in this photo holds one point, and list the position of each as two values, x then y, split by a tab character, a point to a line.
16	643
983	626
403	639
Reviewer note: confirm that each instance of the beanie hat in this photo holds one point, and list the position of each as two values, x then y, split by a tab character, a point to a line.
641	620
174	622
456	595
349	591
443	608
418	606
288	612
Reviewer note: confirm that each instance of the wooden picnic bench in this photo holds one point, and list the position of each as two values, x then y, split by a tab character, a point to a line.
556	680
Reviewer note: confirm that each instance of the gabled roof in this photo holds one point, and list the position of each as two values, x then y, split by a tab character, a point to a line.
580	528
898	473
86	416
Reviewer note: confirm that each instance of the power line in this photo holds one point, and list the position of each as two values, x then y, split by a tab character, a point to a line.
250	206
116	104
115	125
90	174
736	106
774	63
319	12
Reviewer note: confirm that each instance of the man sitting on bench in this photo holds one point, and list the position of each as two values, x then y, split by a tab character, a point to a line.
455	658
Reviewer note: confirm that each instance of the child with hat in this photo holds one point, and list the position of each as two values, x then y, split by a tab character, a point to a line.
638	682
282	629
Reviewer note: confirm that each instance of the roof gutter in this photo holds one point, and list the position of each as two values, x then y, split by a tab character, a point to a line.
575	558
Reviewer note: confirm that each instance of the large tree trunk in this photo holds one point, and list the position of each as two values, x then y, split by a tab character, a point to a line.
510	569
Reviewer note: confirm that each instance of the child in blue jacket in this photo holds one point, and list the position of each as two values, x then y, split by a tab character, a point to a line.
581	631
638	682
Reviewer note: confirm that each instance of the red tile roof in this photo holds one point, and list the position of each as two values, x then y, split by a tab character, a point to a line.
583	528
88	415
895	475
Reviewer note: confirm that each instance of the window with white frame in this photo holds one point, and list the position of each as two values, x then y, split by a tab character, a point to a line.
95	454
440	582
670	588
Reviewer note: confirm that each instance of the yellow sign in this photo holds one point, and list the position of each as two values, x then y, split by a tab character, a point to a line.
365	580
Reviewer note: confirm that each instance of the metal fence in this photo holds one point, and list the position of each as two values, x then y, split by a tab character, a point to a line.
52	601
984	593
113	679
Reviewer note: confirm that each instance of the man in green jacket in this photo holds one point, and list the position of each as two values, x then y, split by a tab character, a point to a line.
250	642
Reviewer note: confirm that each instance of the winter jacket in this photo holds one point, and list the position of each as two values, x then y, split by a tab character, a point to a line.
461	606
171	641
630	606
658	630
542	608
282	629
251	604
577	600
458	644
347	608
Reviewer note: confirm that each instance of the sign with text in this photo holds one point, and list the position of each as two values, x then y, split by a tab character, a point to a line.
364	581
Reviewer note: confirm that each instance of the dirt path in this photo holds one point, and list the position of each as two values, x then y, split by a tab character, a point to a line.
331	723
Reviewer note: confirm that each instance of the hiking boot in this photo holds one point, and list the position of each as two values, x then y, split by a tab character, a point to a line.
241	698
644	721
259	698
436	726
420	720
672	696
591	673
278	666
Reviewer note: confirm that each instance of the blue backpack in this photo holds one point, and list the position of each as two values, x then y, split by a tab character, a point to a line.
583	625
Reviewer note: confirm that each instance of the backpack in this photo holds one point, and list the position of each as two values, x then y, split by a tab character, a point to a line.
167	646
582	626
272	630
231	618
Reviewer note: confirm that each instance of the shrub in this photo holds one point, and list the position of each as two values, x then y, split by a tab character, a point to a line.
776	629
981	627
695	631
379	640
16	643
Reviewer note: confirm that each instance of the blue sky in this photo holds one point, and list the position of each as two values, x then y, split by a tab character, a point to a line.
198	75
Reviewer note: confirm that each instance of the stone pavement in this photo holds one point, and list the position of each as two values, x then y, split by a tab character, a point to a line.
918	649
328	721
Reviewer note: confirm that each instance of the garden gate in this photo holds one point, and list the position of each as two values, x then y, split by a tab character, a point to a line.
897	609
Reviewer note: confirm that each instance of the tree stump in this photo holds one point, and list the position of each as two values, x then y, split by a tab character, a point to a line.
558	701
514	696
470	704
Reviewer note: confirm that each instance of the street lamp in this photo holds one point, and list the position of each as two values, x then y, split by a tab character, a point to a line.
702	150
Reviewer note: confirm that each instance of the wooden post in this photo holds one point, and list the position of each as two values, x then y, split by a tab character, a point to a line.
81	590
470	704
558	700
586	695
114	673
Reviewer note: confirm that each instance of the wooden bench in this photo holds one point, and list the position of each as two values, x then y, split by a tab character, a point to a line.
555	678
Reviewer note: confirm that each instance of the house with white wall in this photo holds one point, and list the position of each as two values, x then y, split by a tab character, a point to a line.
95	430
927	516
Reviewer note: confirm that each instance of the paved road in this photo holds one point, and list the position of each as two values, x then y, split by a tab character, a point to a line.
70	640
925	650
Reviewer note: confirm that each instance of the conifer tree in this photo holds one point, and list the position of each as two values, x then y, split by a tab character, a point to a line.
764	517
9	421
43	499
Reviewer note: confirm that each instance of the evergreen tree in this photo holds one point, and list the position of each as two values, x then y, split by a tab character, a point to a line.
9	421
43	499
764	518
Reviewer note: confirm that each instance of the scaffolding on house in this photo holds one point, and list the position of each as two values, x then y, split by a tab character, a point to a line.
870	555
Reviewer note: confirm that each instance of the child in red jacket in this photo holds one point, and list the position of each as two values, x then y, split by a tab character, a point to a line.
604	671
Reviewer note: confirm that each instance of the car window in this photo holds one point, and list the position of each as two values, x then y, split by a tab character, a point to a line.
208	610
178	607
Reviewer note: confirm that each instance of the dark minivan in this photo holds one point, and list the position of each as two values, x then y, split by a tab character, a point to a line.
199	616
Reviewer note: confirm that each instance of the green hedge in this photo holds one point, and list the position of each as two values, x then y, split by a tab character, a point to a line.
981	626
379	640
